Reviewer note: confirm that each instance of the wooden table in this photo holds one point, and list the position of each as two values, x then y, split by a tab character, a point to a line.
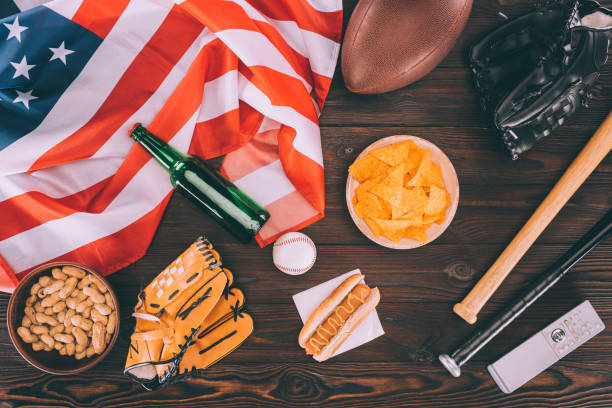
418	286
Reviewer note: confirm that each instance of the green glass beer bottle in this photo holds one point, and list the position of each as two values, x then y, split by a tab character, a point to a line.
206	187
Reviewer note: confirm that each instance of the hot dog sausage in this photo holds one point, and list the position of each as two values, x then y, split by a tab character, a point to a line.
336	319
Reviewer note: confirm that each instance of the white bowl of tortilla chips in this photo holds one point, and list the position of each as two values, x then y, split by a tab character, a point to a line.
402	192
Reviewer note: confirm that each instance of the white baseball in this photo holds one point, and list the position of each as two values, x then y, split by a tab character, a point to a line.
294	253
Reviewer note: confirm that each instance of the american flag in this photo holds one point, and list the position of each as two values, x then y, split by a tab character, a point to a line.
241	78
9	7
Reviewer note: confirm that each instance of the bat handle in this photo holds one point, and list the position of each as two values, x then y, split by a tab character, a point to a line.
536	289
583	165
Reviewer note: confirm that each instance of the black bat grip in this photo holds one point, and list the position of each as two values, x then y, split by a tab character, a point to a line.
537	288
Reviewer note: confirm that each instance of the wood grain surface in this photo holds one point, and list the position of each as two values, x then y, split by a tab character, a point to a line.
595	150
418	287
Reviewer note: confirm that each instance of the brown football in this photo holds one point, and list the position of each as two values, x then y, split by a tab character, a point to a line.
389	44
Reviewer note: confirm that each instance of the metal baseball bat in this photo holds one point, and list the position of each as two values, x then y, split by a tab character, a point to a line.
583	165
537	288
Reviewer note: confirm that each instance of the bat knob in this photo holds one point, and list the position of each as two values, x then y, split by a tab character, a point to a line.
450	364
465	313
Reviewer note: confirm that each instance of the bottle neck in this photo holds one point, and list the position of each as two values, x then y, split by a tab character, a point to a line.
165	154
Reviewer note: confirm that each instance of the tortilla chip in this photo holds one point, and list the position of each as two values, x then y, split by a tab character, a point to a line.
414	159
373	226
363	168
395	153
436	178
368	184
413	199
386	208
414	216
441	218
359	210
392	229
437	218
437	201
417	233
382	169
391	187
428	173
398	225
370	205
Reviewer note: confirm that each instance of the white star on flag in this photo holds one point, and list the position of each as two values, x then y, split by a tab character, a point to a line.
25	98
22	68
15	29
60	53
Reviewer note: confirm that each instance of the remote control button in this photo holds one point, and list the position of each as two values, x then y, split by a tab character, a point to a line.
557	335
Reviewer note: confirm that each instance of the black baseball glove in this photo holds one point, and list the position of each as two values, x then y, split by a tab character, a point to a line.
535	70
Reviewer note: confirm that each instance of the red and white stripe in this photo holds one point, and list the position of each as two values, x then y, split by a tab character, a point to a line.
243	78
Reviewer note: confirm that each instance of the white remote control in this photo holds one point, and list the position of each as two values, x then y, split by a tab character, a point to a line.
547	347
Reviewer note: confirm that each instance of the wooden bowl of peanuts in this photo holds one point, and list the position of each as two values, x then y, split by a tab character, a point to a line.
63	318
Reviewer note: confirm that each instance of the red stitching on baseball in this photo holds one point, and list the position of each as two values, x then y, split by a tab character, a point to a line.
291	241
297	239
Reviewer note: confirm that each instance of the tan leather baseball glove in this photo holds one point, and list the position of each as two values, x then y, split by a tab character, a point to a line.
187	318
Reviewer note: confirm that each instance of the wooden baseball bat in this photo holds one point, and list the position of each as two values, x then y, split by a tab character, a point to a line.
538	287
583	165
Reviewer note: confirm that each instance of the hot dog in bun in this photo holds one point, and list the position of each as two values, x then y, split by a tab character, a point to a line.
333	321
